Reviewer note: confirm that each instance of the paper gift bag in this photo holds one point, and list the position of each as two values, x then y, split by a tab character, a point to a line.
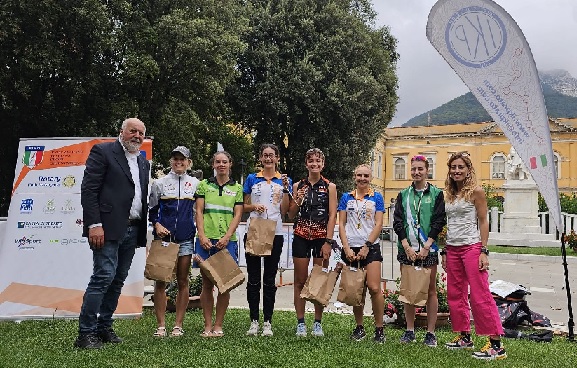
222	270
414	287
352	289
260	236
319	286
161	261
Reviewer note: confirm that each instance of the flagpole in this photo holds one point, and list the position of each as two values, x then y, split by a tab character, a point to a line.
570	324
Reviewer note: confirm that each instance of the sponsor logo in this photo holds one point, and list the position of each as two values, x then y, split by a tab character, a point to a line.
68	207
27	242
69	241
26	205
47	182
69	181
79	222
49	208
476	37
39	224
33	155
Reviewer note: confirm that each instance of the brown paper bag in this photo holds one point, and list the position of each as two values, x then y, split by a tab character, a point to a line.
319	286
161	261
222	270
352	289
260	236
414	287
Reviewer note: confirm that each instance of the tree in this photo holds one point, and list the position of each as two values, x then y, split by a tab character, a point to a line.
316	74
78	68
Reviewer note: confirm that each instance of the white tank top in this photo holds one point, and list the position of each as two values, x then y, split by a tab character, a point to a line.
461	223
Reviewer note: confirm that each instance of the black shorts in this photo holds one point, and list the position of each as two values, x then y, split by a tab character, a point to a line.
302	248
431	260
374	255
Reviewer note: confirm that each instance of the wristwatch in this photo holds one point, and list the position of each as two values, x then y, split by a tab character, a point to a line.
485	250
330	241
368	243
285	190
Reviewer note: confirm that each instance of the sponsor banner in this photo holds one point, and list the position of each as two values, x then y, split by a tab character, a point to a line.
488	51
43	235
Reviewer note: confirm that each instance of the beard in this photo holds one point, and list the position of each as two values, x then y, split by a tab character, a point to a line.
132	145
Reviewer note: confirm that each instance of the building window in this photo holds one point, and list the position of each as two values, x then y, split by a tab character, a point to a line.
498	166
373	162
380	166
431	162
400	168
557	167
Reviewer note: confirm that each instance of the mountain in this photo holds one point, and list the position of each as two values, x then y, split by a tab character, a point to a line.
559	90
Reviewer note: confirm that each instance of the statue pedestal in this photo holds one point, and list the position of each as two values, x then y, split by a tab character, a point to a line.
521	207
520	224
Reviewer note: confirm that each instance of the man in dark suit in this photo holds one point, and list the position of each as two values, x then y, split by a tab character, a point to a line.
114	195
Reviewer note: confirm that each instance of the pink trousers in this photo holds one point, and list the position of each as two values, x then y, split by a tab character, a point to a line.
462	273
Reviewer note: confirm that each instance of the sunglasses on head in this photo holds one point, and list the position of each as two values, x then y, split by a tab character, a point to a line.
460	154
419	158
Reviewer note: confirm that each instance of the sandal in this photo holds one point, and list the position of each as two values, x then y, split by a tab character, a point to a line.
218	333
206	334
160	332
177	331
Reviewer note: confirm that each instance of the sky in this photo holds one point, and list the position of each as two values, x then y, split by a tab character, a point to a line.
426	81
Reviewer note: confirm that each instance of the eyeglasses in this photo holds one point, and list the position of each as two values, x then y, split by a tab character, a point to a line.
419	158
268	155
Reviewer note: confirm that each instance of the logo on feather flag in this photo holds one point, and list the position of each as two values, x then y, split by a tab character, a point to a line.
33	155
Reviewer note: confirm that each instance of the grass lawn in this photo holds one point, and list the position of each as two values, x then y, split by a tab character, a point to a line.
541	251
48	343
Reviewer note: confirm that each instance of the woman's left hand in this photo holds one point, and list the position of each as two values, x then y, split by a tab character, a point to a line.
222	242
483	262
326	251
363	252
423	253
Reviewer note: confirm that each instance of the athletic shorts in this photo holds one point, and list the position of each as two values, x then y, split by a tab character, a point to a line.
303	248
374	255
232	248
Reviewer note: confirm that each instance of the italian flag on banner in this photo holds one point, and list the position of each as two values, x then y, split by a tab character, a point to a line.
542	159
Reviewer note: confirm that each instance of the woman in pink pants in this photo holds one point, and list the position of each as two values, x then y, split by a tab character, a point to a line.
465	259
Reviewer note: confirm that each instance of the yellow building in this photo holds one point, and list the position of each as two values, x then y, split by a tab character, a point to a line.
485	142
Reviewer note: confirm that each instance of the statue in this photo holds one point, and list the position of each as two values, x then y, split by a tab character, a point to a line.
516	170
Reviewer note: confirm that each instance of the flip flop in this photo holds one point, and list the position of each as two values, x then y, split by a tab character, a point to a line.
218	333
206	334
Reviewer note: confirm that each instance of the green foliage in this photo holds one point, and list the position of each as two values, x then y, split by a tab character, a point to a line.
194	287
48	343
78	69
316	74
467	109
493	200
541	251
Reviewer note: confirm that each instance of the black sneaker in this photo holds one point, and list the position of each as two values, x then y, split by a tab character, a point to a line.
109	336
358	333
408	337
88	341
489	352
460	342
379	336
430	340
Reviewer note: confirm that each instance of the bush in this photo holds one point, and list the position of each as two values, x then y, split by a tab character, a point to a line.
194	287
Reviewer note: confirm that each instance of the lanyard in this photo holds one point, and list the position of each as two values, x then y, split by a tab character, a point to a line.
417	207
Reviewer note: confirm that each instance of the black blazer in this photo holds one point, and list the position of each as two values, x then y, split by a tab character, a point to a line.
108	189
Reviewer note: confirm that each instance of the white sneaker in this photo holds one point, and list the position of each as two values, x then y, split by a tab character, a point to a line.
301	329
266	329
253	330
317	330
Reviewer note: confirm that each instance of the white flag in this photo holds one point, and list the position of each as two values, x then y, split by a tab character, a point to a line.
488	51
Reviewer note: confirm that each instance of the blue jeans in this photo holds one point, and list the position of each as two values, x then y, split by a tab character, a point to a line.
110	268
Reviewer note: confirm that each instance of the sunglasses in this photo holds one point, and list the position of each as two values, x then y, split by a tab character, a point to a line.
419	158
460	154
